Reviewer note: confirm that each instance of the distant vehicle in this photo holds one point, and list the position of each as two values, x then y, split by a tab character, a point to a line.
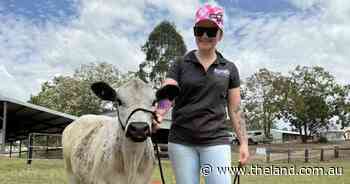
254	137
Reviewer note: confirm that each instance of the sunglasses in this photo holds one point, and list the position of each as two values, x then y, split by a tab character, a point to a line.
210	31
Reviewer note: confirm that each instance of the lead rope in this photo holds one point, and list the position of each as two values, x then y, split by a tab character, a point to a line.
237	174
160	164
120	121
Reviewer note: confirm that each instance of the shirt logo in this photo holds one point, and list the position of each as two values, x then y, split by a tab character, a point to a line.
222	72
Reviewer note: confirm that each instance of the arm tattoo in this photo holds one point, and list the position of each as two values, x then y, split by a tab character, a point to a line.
243	127
239	124
237	109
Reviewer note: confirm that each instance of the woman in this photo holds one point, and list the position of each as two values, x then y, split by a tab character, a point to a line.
198	140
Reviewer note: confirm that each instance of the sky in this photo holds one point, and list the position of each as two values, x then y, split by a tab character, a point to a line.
40	39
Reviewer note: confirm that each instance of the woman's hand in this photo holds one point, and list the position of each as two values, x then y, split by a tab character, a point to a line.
243	153
162	107
156	124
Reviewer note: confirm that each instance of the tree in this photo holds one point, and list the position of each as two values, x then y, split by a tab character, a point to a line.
263	97
164	44
72	94
308	99
341	104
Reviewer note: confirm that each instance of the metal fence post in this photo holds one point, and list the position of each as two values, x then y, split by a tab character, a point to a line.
11	145
20	149
3	130
30	149
47	146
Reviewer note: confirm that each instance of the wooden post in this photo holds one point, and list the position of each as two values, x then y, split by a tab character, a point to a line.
322	155
268	152
336	151
306	155
289	155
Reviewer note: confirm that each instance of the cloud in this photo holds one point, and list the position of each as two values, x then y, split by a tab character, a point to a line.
279	42
101	32
305	4
318	33
337	11
180	10
4	73
106	15
9	86
109	31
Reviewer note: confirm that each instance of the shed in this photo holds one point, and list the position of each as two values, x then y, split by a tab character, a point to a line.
19	119
334	135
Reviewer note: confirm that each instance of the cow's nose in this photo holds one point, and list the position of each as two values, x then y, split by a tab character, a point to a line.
139	126
138	131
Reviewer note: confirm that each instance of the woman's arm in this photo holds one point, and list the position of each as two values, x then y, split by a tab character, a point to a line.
238	123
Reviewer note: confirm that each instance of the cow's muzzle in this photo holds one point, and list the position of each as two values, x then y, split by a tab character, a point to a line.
138	131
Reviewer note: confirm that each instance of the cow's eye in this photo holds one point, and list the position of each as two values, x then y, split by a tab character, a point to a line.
119	102
153	103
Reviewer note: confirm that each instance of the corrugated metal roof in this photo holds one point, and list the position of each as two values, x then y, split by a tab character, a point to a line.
37	107
285	131
275	130
24	118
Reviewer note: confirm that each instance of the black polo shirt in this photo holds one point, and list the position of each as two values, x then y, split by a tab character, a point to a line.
199	113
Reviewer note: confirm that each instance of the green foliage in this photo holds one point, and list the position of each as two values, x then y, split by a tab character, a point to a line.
164	44
341	105
310	99
72	94
263	97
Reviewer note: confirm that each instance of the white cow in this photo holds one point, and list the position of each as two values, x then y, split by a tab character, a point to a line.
96	150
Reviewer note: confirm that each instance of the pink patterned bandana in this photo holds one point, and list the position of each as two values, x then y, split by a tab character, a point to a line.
210	12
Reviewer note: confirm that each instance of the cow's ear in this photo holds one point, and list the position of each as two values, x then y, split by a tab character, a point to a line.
105	92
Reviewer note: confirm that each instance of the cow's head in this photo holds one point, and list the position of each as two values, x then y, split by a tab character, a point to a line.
132	95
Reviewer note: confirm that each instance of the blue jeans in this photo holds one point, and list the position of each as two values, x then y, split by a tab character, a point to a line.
188	163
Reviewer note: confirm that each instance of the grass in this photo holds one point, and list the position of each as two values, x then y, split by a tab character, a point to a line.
15	171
